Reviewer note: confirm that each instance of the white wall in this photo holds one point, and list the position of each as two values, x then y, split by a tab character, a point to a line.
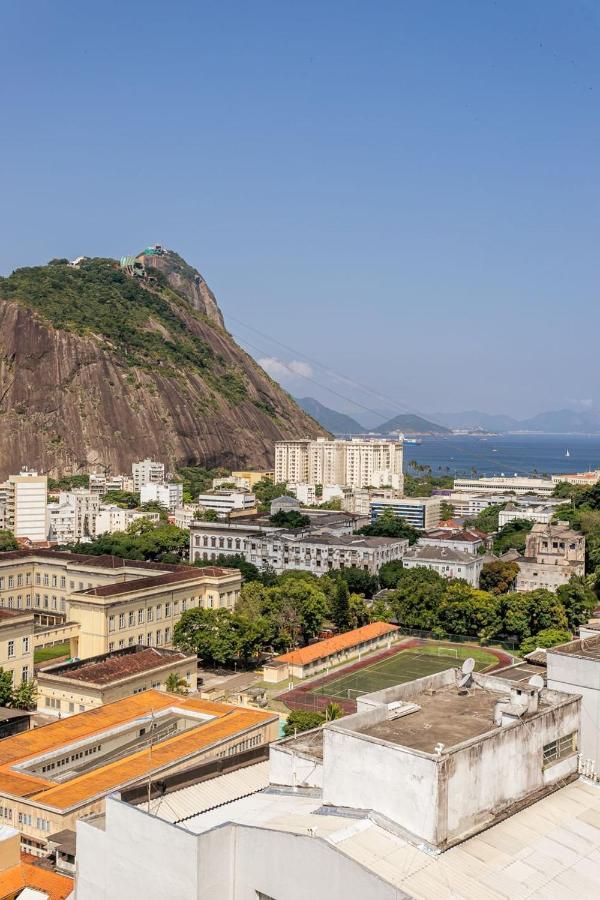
580	676
288	767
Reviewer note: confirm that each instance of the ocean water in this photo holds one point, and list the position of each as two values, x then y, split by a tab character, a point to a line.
511	454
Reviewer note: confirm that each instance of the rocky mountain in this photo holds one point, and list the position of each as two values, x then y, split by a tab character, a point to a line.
103	363
336	422
411	424
560	421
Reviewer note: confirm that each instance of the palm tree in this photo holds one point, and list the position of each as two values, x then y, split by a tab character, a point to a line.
176	684
333	711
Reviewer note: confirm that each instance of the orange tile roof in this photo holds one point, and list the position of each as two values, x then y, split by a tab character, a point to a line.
16	878
18	748
333	645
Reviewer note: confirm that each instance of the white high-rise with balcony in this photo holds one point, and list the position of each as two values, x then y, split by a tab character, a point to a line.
26	505
147	472
356	463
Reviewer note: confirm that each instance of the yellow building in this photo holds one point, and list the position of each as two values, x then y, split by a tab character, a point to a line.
51	776
73	687
254	477
16	644
113	602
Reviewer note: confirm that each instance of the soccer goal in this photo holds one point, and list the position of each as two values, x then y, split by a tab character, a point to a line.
447	651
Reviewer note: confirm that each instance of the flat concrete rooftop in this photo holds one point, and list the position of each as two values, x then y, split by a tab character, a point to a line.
445	717
586	648
310	743
521	672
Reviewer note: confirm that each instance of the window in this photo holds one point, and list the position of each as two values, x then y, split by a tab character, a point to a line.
111	646
54	581
11	581
25	645
167	610
111	623
167	635
149	639
158	637
63	581
150	614
131	640
11	649
158	613
131	619
560	748
121	643
140	616
19	580
122	620
25	673
46	580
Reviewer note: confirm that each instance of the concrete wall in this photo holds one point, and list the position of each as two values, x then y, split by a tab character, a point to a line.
366	773
577	675
289	767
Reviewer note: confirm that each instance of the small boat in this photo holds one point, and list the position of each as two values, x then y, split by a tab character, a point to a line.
567	453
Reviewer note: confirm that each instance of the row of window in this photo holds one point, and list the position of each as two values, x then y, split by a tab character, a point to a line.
149	641
129	620
45	603
10	648
246	744
229	543
55	703
59	763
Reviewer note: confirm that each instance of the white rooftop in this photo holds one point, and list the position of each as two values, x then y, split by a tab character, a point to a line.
549	850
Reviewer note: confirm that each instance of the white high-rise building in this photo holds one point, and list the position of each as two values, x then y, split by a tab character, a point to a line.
168	495
147	472
357	463
26	502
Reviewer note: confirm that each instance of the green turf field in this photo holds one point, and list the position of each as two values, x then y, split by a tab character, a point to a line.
406	665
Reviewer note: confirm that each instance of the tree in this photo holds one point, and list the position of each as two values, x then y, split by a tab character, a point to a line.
144	540
302	720
6	688
289	519
578	600
487	519
208	632
340	606
512	535
124	499
232	561
253	635
466	610
359	611
359	581
446	510
390	573
417	597
207	515
381	611
389	525
333	711
498	577
549	637
8	541
176	684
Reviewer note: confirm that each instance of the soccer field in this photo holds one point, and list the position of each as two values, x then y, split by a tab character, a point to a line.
403	666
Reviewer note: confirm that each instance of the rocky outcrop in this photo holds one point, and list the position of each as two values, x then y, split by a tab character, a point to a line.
185	280
69	401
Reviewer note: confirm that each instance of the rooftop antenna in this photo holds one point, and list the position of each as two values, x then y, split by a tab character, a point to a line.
467	670
537	682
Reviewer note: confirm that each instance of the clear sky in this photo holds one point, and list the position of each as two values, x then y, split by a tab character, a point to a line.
408	193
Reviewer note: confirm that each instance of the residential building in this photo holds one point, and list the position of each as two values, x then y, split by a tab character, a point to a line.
103	603
575	668
357	463
253	477
553	554
447	563
73	517
147	471
423	513
170	496
111	518
462	539
517	484
431	790
73	687
225	502
540	513
584	479
100	483
17	644
284	503
51	776
358	500
291	461
321	553
26	498
305	493
333	651
184	515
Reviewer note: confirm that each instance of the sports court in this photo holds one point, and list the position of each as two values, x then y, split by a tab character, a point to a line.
406	665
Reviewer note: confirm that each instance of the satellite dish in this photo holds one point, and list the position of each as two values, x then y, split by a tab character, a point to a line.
465	681
468	665
536	681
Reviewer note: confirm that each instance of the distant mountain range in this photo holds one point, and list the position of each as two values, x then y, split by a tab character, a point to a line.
560	421
340	423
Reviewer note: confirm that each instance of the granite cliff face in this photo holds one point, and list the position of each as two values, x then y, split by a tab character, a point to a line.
102	367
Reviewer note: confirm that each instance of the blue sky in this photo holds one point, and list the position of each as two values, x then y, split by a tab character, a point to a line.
407	193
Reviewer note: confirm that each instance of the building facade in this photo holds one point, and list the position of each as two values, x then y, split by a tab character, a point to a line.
356	463
225	502
447	563
73	687
502	484
147	471
553	554
169	496
423	513
26	499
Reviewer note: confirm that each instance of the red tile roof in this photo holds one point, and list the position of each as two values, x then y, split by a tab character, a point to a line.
28	875
345	641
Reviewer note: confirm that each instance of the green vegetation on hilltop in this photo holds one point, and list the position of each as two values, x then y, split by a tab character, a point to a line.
68	482
134	319
512	536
